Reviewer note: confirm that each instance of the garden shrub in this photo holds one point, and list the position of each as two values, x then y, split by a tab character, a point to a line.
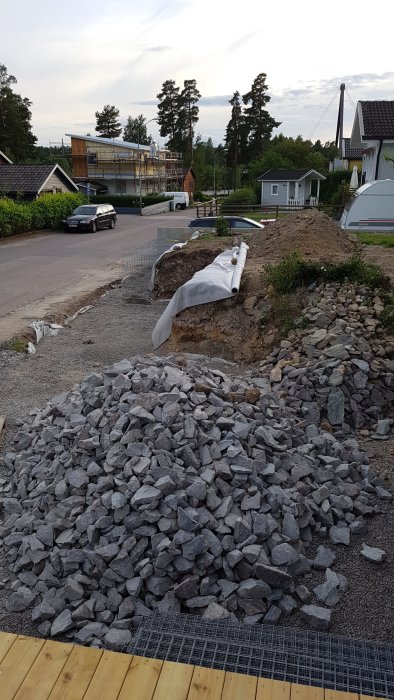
293	271
125	200
242	197
222	227
47	211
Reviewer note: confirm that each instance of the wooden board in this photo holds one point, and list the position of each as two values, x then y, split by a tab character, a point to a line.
141	679
6	641
268	689
17	663
339	695
109	676
45	671
306	692
239	687
76	674
207	684
174	681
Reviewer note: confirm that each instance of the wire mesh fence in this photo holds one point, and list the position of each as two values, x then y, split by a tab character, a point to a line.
138	267
304	657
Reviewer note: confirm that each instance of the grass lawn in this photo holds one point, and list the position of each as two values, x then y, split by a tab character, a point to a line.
384	239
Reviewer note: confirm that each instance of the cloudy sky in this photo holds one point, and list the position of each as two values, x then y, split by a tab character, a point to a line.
73	56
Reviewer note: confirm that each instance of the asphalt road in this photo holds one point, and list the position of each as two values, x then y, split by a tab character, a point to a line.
40	273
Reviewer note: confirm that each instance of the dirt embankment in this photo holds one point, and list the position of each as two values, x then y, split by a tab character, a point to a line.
244	328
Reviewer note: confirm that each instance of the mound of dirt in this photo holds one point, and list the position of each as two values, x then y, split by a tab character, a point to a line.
179	266
314	234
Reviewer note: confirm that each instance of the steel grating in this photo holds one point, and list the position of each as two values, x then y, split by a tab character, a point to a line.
281	653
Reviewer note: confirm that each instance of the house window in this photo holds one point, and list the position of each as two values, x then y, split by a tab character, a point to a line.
274	190
120	186
92	158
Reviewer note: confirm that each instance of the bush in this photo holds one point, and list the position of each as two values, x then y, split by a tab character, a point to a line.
47	211
201	197
222	227
243	197
125	200
14	217
293	271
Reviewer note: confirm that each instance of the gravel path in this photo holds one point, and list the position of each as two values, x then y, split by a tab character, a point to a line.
114	329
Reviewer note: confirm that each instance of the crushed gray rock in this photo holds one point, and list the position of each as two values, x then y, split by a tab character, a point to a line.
341	374
373	554
139	491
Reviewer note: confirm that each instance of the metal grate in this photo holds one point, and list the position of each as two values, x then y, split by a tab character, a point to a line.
310	658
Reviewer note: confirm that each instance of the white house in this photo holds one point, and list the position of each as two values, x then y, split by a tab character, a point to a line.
373	131
290	187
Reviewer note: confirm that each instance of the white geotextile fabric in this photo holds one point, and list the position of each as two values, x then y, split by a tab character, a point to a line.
219	280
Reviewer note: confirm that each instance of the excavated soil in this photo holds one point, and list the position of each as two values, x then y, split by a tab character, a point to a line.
314	234
246	327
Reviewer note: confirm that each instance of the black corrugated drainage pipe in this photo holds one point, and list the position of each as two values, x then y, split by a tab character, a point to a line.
377	159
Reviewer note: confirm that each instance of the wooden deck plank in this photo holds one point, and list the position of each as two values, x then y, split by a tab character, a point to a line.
141	679
339	695
268	689
44	672
239	687
174	681
306	692
6	641
207	684
108	677
16	664
76	674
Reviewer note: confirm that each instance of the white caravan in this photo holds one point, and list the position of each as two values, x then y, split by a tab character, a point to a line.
371	208
180	199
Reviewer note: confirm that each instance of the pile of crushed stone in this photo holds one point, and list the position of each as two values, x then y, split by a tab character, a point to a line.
314	234
153	486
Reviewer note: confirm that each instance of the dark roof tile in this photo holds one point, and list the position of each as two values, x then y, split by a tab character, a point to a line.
378	119
24	178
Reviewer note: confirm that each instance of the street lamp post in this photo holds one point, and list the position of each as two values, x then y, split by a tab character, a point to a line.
139	159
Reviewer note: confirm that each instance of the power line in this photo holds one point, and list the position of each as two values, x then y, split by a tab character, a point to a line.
309	138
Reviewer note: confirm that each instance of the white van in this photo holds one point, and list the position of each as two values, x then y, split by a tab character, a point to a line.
181	199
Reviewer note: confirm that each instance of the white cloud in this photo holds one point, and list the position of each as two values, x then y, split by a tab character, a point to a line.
77	57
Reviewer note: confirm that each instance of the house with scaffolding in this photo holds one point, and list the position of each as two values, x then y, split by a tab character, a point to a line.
112	166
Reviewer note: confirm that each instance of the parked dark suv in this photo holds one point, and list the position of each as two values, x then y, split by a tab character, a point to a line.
233	222
90	217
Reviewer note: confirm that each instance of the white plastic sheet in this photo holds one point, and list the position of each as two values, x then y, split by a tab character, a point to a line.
219	280
42	328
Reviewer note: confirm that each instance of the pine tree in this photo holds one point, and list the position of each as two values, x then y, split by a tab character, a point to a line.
259	123
135	130
236	136
107	122
188	116
168	115
16	137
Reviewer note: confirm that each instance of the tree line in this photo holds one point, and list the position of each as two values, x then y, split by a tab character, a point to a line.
248	150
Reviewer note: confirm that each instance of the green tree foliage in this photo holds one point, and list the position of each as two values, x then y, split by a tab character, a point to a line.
287	153
52	155
16	137
259	123
235	137
178	115
209	165
168	115
107	122
135	130
188	116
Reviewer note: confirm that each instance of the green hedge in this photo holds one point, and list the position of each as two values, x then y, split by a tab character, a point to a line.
124	200
46	212
245	195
